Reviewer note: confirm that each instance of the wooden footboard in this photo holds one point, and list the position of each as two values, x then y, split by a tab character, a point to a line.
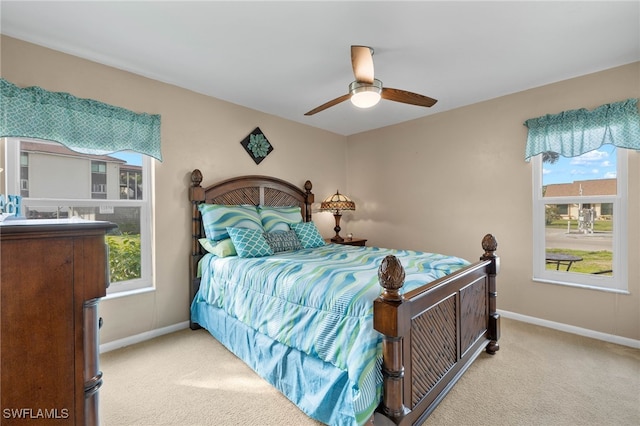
433	334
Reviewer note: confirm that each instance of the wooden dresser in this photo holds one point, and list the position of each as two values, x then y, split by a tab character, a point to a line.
52	274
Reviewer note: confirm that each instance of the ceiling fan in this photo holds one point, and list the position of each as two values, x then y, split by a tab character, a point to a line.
366	90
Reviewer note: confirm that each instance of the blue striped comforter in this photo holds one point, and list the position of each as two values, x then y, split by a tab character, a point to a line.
319	301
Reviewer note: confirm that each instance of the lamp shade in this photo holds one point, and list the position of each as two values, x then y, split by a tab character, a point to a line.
337	202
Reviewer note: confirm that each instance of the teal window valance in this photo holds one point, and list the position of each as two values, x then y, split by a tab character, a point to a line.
575	132
83	125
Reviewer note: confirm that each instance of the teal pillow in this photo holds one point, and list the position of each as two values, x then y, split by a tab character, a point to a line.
222	248
216	218
308	234
283	241
249	242
279	218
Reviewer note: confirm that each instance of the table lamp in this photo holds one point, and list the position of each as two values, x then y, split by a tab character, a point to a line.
337	203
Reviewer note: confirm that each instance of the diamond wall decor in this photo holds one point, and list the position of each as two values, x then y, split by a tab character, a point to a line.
257	145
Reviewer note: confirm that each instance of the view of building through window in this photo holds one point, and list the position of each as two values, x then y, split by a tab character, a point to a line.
579	211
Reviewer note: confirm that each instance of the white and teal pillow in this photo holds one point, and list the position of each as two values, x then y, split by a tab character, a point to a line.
222	248
283	241
249	242
276	219
216	218
308	234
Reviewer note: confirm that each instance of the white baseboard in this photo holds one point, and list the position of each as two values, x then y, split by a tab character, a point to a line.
138	338
611	338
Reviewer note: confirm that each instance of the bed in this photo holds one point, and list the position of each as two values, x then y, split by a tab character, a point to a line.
352	335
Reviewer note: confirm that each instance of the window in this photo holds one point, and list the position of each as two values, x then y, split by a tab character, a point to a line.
130	182
24	174
99	180
56	182
580	218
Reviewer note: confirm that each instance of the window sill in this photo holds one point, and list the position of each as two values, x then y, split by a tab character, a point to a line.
126	293
582	286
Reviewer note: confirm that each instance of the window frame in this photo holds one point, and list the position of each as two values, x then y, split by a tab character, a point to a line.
618	282
116	289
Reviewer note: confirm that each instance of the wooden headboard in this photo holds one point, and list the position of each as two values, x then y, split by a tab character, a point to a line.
252	190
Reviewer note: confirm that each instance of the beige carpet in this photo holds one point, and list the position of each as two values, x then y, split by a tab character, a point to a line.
539	377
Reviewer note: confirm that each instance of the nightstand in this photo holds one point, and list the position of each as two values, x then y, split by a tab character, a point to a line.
349	242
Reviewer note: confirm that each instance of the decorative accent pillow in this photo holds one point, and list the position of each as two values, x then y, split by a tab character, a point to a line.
279	218
308	234
249	242
222	248
216	218
283	241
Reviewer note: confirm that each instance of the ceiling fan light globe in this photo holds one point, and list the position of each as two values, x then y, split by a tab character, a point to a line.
365	99
365	95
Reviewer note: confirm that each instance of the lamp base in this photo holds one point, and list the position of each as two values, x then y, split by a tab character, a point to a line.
337	239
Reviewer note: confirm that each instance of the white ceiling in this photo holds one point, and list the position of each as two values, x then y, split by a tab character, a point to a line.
285	58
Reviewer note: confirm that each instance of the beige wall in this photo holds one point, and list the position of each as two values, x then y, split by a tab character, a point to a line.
442	182
438	183
197	132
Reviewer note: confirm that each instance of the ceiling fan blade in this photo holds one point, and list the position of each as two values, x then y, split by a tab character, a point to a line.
329	104
407	97
362	63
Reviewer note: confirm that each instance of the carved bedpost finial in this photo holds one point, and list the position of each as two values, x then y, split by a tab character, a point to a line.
309	194
309	199
489	245
391	276
196	192
196	177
